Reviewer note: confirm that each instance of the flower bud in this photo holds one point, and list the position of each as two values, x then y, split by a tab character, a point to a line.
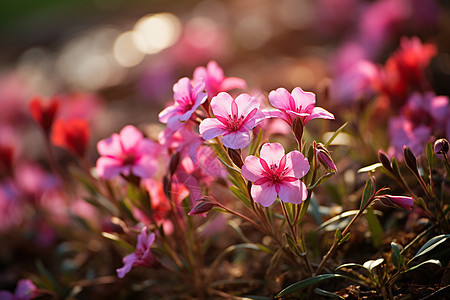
203	206
441	146
235	155
324	157
44	114
400	201
384	160
297	128
410	159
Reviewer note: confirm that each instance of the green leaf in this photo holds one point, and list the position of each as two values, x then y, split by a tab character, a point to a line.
430	155
335	135
338	218
397	259
307	282
396	168
375	228
430	245
430	261
345	238
293	245
241	196
327	294
372	264
370	168
350	265
303	209
255	143
50	281
321	180
256	297
119	241
369	191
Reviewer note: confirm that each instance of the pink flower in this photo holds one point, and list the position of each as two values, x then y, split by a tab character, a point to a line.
216	81
25	290
235	118
126	153
142	256
187	99
297	104
276	174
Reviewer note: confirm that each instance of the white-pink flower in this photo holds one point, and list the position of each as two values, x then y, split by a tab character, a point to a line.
187	98
276	174
235	118
125	153
296	104
216	81
142	256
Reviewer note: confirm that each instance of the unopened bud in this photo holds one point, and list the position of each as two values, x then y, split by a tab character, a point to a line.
324	157
203	206
410	159
297	128
400	201
441	146
235	155
384	160
174	162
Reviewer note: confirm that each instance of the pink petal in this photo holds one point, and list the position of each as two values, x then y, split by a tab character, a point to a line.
252	170
236	140
221	105
272	153
319	112
233	83
198	87
25	289
298	164
246	104
182	90
169	112
200	73
275	113
264	194
215	71
108	167
130	137
5	295
128	262
293	191
280	99
110	146
303	99
145	167
211	128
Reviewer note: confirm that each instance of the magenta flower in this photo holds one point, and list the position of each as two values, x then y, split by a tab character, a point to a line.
235	118
142	256
216	81
297	104
125	153
276	174
25	290
187	99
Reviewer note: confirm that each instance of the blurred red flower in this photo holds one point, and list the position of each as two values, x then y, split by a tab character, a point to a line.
44	113
72	135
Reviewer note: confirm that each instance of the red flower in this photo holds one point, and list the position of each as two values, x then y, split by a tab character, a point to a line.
44	113
72	135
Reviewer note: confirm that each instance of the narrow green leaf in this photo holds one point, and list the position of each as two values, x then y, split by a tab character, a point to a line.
306	283
430	155
303	209
430	245
255	143
241	196
430	261
327	294
350	265
396	168
369	190
256	298
119	241
335	135
321	180
338	218
370	168
345	238
397	259
293	245
50	280
375	228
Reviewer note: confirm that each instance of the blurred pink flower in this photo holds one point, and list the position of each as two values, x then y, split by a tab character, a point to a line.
126	153
297	104
80	106
235	118
142	256
276	174
403	133
187	98
25	290
216	81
